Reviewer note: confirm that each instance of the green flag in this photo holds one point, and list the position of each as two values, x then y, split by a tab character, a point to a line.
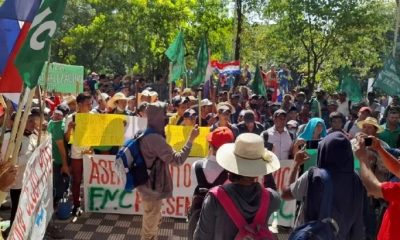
350	85
199	75
34	52
257	85
176	55
388	79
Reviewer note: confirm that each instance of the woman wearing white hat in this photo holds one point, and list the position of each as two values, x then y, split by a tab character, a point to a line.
245	160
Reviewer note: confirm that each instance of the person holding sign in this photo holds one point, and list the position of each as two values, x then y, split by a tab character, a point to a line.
84	102
158	155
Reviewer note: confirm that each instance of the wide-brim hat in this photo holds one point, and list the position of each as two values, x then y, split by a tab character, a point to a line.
231	108
371	121
117	97
247	156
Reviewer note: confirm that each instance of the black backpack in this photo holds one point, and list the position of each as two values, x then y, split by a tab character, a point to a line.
199	194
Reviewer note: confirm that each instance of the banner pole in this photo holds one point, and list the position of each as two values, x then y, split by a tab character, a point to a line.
24	119
42	103
170	82
199	103
14	130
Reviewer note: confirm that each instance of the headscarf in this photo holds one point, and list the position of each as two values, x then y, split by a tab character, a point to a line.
336	156
308	132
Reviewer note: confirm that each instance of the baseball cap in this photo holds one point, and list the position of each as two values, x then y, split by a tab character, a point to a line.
178	100
279	112
292	123
220	136
363	109
189	113
249	116
224	109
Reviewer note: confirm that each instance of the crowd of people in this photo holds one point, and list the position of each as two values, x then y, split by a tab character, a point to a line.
249	135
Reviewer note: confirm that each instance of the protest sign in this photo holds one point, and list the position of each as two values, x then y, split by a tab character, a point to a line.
177	137
286	214
104	188
35	206
62	78
99	129
134	124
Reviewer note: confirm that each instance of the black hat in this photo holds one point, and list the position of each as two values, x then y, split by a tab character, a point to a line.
178	100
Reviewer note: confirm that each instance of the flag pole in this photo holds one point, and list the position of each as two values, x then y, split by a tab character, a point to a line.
170	82
396	30
41	102
199	103
14	130
24	119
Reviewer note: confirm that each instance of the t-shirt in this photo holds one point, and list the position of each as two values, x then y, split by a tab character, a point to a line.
389	136
56	129
299	192
391	220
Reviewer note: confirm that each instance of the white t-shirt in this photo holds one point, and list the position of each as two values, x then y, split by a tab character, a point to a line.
76	151
211	169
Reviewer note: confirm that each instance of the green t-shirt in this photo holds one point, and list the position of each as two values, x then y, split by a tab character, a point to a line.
390	137
56	129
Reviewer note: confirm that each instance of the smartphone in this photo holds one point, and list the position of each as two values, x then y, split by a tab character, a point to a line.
368	141
312	144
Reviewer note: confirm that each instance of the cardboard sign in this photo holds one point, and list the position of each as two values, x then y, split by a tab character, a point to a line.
99	129
177	137
104	188
35	206
62	78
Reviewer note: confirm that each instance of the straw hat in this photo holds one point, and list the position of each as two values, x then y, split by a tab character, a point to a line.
69	99
231	108
371	121
117	97
247	156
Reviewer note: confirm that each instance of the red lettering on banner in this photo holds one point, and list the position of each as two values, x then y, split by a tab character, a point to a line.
105	178
170	208
20	227
94	173
179	205
187	181
115	180
138	201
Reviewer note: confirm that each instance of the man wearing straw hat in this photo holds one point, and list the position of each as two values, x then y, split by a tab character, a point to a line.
245	160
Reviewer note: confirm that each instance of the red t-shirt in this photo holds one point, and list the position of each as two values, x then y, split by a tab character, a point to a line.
390	228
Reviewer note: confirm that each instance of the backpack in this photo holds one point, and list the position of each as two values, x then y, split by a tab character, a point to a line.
133	161
199	194
258	229
319	223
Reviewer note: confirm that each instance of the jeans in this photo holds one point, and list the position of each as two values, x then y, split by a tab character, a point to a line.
14	195
60	184
76	173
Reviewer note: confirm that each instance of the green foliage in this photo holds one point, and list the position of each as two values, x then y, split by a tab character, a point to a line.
322	36
132	35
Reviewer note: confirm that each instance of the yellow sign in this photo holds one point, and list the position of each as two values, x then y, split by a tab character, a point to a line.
99	130
177	136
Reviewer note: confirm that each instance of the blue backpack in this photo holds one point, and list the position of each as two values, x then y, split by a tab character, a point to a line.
318	209
136	172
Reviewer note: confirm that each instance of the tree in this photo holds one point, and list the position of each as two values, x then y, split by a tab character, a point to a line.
328	34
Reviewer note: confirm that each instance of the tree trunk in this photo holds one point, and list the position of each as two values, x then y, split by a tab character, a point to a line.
238	29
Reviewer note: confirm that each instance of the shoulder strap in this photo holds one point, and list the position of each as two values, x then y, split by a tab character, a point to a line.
262	212
201	178
351	123
229	207
221	178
